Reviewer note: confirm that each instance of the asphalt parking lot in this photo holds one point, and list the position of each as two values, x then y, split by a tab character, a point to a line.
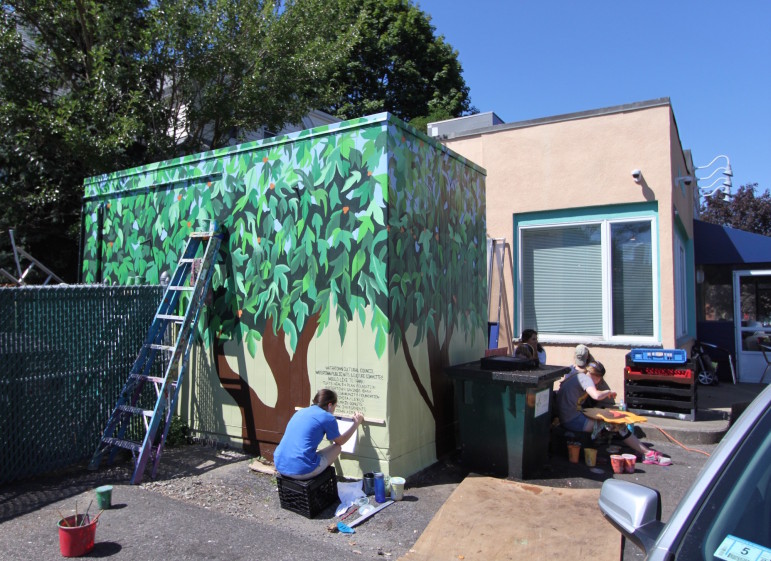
208	504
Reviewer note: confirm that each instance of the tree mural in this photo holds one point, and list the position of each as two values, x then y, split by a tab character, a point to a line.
307	238
370	222
437	251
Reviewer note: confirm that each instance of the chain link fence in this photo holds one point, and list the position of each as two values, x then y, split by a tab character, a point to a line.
65	354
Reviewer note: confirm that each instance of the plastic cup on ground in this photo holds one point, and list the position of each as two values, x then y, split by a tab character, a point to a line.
574	449
104	497
361	501
397	488
590	456
617	463
629	462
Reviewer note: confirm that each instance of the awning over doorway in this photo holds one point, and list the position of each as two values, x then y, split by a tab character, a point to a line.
718	245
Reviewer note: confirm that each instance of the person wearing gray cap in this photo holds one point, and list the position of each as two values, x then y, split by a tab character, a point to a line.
582	357
572	398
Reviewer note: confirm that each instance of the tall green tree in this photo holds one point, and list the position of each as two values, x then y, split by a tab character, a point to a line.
71	105
745	210
399	64
91	86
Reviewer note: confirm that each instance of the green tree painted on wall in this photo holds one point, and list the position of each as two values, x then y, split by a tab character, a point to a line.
308	239
438	255
368	222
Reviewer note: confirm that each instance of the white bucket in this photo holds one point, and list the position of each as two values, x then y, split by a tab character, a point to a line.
397	488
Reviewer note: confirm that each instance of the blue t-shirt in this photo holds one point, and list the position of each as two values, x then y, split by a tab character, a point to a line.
296	453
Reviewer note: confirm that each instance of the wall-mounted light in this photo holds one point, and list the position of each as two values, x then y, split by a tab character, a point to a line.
636	175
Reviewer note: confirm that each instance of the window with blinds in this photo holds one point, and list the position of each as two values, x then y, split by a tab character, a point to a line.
632	278
562	279
564	284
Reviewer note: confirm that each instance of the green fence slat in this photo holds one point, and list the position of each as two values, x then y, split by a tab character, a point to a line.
65	353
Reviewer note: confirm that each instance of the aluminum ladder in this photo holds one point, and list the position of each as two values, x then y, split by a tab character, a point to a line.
161	366
499	263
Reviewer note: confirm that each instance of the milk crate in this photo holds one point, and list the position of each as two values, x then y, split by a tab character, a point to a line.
308	497
656	356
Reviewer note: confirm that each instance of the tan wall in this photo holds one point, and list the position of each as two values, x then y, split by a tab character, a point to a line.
588	162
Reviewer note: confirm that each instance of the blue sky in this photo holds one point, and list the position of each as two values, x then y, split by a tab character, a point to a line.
526	59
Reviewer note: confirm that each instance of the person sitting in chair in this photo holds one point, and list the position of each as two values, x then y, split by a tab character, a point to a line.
573	393
529	347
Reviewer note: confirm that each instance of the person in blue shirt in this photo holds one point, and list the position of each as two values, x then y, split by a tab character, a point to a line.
296	455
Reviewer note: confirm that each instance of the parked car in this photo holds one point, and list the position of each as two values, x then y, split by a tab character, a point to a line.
726	513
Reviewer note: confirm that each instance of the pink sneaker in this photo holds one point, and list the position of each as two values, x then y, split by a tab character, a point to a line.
654	457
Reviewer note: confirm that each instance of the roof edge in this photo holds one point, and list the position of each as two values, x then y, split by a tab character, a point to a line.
625	108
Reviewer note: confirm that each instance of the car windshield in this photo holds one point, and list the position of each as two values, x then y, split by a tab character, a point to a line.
734	522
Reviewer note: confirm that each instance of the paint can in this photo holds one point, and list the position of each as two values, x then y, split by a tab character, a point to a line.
397	488
368	485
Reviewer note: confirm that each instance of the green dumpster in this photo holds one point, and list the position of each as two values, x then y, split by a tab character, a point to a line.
504	417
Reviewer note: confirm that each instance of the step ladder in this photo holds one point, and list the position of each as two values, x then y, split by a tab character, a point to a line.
499	266
157	374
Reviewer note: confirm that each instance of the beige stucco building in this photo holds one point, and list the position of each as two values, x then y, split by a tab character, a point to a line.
598	209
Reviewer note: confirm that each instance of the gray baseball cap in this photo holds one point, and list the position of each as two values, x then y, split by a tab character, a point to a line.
582	355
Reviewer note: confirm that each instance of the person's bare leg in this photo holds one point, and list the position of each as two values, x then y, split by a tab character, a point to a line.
634	443
330	454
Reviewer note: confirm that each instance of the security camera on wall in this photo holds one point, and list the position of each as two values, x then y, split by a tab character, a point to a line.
636	175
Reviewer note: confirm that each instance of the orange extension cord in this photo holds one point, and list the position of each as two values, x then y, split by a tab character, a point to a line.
680	444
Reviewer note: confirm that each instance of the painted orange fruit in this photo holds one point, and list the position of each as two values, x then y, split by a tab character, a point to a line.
346	209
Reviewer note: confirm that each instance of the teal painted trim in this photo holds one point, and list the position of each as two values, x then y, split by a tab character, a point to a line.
648	209
691	284
588	214
220	153
690	275
396	121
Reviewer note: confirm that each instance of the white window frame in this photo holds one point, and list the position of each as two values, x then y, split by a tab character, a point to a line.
607	308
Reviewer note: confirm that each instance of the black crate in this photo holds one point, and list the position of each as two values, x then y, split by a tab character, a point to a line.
308	497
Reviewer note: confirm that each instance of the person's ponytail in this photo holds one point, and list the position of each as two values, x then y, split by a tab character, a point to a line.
324	398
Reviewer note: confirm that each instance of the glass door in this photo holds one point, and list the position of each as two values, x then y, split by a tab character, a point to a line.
752	305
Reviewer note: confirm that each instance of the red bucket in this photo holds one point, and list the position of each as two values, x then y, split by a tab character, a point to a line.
76	535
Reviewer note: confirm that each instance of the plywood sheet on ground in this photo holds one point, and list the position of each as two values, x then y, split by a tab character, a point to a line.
496	519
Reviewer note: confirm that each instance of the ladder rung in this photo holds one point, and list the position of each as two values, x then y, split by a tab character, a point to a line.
179	319
120	443
162	347
153	379
187	260
183	288
200	234
135	410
